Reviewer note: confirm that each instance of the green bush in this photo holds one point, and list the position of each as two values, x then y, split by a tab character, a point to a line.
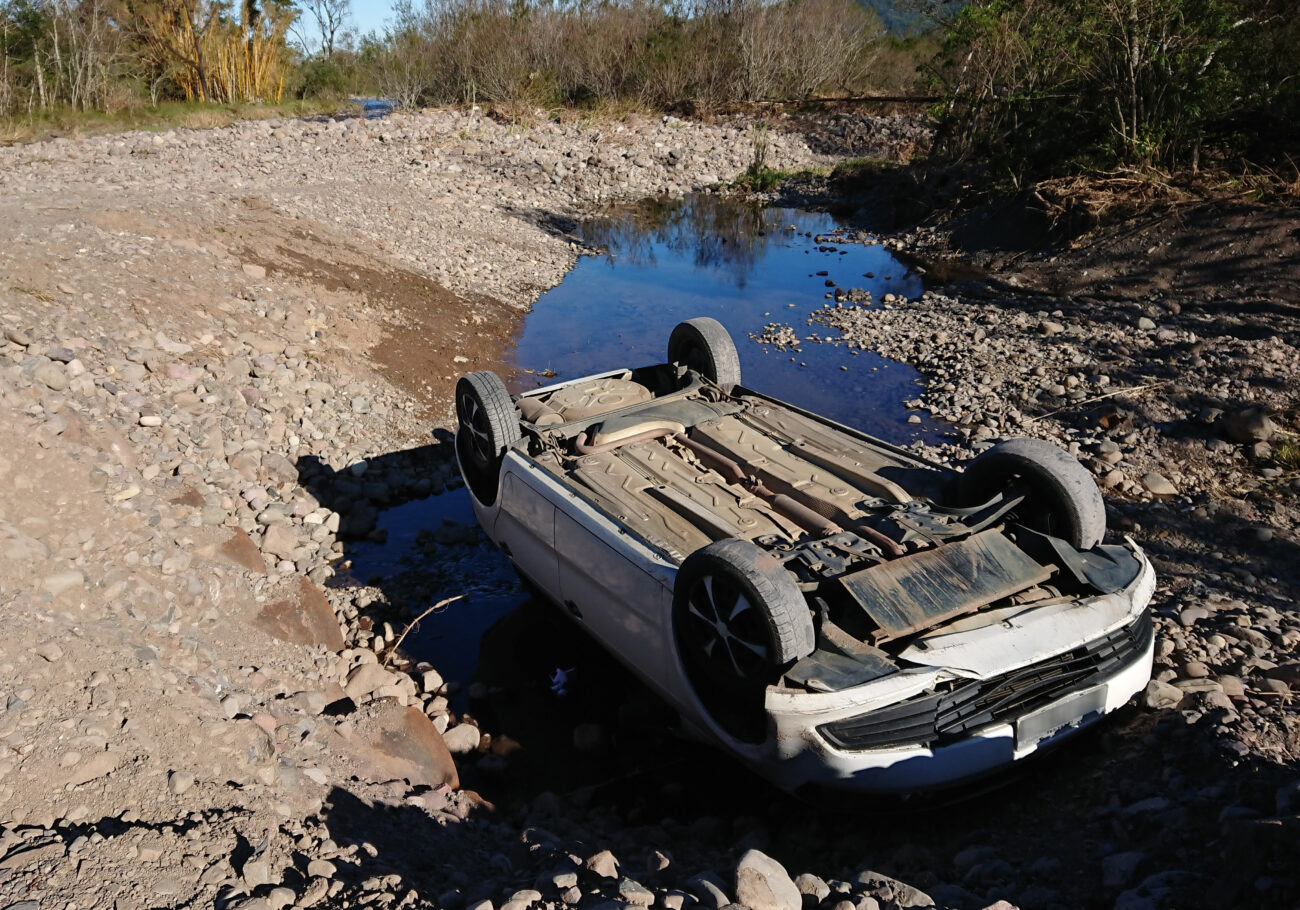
1049	85
319	77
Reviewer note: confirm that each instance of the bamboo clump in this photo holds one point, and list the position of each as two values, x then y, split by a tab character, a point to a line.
211	56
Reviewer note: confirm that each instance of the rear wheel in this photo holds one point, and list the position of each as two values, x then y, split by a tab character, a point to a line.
1061	498
704	345
488	425
739	620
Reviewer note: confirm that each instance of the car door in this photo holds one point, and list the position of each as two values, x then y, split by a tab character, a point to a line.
612	588
525	531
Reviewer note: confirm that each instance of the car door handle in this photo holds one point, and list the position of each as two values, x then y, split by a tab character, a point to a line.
573	608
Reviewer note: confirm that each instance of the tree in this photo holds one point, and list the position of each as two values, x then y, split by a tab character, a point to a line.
329	16
211	51
62	52
1106	82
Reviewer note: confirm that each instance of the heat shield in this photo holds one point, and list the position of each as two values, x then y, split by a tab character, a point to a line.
924	589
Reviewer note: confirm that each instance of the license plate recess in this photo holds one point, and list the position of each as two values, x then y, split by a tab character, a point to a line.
1069	712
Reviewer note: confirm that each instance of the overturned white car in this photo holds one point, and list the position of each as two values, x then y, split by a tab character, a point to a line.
827	607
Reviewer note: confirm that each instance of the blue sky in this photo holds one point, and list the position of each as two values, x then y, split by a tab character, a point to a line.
370	15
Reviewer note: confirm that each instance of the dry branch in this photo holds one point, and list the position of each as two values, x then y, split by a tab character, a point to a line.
415	622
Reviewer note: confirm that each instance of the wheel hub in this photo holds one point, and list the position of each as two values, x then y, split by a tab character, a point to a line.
474	420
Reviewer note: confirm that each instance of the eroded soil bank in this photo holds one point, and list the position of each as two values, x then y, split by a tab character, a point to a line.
225	352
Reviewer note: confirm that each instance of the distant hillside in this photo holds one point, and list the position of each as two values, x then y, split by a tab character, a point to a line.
908	17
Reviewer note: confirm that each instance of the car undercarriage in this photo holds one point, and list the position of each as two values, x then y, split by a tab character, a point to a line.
804	592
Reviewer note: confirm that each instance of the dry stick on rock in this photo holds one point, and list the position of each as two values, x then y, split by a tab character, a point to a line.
1070	407
415	622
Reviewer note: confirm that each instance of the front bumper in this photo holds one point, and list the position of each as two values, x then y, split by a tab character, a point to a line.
980	721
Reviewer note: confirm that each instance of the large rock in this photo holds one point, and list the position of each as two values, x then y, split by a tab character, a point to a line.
240	550
280	540
603	864
367	678
763	884
463	739
52	376
1249	425
279	468
812	886
708	890
1160	695
98	765
303	618
891	890
1288	673
401	743
1159	485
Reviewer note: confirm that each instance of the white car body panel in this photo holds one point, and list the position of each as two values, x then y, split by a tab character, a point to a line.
1030	634
804	757
621	588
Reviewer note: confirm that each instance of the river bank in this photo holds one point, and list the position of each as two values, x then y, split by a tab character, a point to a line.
208	335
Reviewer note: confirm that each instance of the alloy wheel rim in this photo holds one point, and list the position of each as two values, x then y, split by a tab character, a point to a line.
474	419
727	629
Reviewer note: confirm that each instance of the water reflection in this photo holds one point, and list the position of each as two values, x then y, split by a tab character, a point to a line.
712	233
374	108
663	261
433	549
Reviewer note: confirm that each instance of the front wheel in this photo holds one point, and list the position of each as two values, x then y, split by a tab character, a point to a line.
739	620
488	425
1060	496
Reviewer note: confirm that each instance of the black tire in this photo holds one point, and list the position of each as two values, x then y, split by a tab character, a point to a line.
1061	498
488	425
704	345
739	620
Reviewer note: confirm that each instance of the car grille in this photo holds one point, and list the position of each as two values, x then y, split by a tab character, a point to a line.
936	718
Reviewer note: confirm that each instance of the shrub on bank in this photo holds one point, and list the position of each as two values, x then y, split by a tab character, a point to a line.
639	51
1048	86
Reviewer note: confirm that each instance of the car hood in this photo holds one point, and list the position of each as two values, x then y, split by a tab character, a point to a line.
983	646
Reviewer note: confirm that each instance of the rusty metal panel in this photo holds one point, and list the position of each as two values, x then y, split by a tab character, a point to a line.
924	589
781	468
621	492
